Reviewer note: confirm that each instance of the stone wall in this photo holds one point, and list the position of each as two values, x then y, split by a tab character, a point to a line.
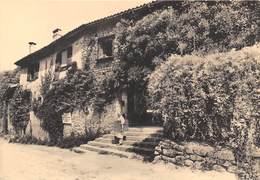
110	115
90	53
195	155
81	122
76	126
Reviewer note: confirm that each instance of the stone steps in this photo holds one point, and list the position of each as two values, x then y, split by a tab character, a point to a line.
145	134
146	129
130	142
138	138
139	143
124	147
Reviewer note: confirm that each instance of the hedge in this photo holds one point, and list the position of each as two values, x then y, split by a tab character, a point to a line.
211	99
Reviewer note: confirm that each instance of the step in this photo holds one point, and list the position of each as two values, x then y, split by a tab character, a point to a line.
137	136
134	138
114	152
130	142
157	134
145	129
127	148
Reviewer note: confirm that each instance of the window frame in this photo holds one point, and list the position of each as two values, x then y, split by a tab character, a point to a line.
101	40
60	65
33	71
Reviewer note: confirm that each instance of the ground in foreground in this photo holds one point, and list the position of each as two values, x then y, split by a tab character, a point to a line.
32	162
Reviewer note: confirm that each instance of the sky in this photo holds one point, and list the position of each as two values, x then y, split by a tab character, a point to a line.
22	21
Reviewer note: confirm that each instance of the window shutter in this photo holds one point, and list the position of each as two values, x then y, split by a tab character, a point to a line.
36	71
69	52
58	58
29	74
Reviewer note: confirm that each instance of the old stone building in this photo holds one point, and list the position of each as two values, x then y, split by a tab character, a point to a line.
58	56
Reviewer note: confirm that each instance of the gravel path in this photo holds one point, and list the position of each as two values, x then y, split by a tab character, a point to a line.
32	162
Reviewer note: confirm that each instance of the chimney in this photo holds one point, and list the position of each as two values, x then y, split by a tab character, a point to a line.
56	34
31	44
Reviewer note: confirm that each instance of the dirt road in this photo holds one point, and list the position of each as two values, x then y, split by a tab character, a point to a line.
32	162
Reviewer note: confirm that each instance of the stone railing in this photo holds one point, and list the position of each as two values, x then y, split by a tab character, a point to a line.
195	155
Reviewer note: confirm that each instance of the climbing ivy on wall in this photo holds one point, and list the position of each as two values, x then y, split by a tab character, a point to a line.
75	91
7	78
19	103
19	110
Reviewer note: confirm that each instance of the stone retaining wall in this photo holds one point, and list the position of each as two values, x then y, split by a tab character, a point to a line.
195	155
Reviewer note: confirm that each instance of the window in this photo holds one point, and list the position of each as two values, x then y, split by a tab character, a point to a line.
33	71
105	47
63	58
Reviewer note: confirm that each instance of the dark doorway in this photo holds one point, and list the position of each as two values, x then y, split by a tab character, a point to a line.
136	108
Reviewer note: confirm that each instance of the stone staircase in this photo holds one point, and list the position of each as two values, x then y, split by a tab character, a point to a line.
139	143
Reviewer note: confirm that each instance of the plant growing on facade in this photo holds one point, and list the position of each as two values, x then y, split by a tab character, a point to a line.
7	78
73	92
19	110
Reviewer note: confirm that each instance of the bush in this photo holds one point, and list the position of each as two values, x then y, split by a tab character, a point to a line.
72	141
26	139
67	142
211	99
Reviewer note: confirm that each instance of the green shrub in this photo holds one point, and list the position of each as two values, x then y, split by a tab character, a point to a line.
210	99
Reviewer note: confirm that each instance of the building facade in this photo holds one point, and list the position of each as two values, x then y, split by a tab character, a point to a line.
57	57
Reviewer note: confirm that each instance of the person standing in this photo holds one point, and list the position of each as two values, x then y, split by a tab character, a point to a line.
119	129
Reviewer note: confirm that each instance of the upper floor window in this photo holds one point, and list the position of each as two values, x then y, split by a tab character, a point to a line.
63	58
105	47
33	72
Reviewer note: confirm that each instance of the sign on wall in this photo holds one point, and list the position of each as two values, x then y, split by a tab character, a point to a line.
66	118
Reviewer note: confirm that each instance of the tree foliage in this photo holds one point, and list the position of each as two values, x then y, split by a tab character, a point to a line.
193	27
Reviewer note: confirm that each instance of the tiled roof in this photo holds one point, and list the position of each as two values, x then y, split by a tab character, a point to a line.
74	34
